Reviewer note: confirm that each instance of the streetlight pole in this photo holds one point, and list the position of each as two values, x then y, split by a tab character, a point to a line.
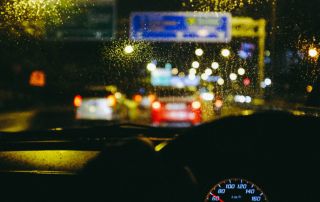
273	24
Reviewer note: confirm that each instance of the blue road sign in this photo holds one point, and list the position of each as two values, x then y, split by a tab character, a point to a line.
181	26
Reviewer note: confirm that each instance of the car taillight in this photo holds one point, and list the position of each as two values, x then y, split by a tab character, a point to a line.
156	105
77	101
196	105
111	101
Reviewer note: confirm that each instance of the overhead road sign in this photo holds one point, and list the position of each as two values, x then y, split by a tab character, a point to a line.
181	26
95	22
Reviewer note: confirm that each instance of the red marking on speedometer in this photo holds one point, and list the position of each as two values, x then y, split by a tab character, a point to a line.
217	197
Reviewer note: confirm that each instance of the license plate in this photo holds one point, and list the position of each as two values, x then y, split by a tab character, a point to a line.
92	103
175	106
178	115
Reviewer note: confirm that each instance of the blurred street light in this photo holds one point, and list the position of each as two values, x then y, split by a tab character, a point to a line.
242	99
195	64
233	76
309	88
267	53
267	81
199	52
207	96
181	74
263	84
118	95
248	99
204	76
220	81
128	49
151	67
225	52
208	71
215	65
192	71
313	52
241	71
174	71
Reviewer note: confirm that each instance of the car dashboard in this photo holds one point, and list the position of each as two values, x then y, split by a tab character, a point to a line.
270	156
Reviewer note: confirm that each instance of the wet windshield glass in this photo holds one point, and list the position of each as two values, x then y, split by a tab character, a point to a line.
66	63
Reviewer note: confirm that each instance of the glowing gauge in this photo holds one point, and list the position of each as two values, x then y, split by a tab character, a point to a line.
237	190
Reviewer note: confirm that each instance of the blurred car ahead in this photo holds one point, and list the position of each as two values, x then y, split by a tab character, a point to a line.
144	101
176	107
97	103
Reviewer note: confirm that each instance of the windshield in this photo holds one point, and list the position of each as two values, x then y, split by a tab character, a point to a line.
65	62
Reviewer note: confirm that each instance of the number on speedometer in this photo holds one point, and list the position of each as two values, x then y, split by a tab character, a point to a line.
238	190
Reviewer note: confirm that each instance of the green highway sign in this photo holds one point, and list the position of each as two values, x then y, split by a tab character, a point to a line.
94	22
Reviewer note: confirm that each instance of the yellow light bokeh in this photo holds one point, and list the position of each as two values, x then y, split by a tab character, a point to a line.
225	52
313	52
174	71
128	49
47	160
195	64
160	146
199	52
151	67
219	5
32	16
215	65
309	88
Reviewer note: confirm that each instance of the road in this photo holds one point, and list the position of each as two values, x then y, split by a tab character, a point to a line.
63	117
36	119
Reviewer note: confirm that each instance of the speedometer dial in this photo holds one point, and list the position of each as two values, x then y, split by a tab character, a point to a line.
238	190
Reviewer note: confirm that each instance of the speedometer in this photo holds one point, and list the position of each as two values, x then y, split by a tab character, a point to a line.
238	190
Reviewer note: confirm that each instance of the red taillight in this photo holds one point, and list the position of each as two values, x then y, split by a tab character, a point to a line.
156	105
196	105
77	101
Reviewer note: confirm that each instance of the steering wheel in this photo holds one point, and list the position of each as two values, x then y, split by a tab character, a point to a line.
263	146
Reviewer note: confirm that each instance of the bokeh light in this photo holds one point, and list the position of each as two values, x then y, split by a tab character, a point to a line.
199	52
174	71
233	76
309	88
313	52
241	71
151	67
208	71
128	49
215	65
220	81
195	64
192	71
225	52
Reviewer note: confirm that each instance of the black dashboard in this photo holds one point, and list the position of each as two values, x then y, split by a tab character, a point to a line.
269	156
275	151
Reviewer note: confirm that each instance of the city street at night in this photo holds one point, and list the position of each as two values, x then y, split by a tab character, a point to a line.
159	100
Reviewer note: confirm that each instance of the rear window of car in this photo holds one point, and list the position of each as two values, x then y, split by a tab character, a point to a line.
168	92
95	93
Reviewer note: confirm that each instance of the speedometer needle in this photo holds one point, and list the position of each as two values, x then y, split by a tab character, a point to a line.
217	197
